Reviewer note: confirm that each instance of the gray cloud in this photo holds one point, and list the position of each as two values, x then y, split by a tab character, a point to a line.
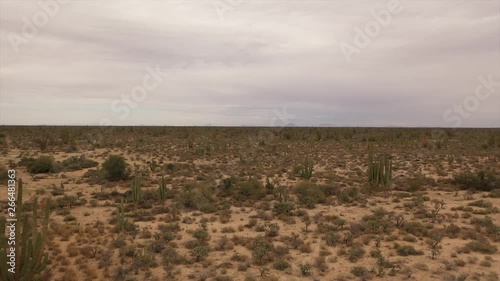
262	56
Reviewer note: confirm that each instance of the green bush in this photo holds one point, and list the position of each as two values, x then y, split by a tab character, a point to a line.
251	189
75	163
281	265
200	252
481	247
261	249
359	271
201	234
332	239
115	167
408	250
356	253
283	208
198	197
44	164
309	194
483	181
305	269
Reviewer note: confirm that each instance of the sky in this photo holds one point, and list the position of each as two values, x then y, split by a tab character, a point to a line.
418	63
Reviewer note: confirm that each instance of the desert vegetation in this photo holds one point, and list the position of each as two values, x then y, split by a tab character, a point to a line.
176	203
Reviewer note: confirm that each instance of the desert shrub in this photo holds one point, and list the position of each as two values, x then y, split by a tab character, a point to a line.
409	238
118	242
376	224
201	234
156	247
44	164
170	227
94	176
481	204
171	256
227	186
483	181
281	251
283	208
75	163
252	189
26	161
105	259
305	269
347	195
328	190
407	250
332	238
281	265
495	193
224	244
485	263
482	246
144	261
198	197
359	271
200	252
415	228
272	230
69	218
309	194
115	168
261	249
355	253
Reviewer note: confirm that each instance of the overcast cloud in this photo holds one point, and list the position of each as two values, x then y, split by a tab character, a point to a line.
262	55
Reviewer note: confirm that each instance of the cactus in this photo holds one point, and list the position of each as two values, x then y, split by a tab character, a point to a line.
163	188
269	184
306	169
136	190
121	216
379	170
282	194
30	257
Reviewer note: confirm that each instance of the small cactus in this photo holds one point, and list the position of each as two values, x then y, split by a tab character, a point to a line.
30	257
163	188
136	190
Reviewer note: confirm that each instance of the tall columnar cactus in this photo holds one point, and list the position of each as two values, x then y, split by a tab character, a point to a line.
306	169
136	190
379	170
163	188
29	242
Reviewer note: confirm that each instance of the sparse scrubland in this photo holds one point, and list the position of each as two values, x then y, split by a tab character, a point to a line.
174	203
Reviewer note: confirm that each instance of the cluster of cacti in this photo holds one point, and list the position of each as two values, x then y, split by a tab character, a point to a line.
29	243
163	188
136	190
306	169
379	170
